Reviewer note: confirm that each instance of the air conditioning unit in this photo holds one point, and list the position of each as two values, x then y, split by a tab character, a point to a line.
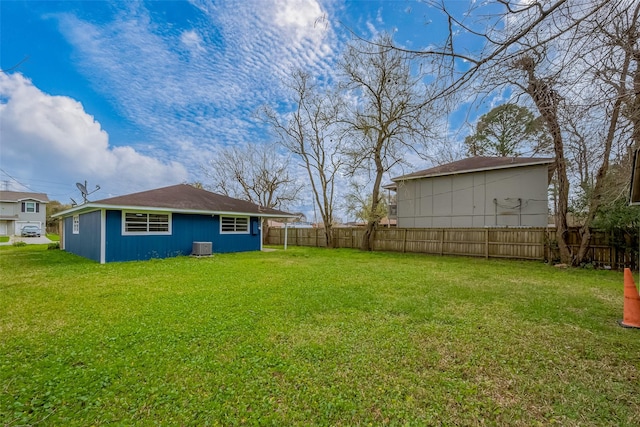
202	248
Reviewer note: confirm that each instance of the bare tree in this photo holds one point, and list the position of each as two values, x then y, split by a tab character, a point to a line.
255	173
620	42
501	34
590	89
547	100
579	145
388	115
575	60
310	133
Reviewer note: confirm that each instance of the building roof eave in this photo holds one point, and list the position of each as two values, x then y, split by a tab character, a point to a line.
90	207
442	171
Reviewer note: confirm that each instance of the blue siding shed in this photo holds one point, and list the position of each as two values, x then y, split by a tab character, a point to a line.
86	242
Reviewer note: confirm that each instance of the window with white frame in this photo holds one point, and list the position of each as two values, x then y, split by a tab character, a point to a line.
234	224
146	223
30	207
76	224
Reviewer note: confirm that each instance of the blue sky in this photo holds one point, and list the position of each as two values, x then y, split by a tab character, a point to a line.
138	95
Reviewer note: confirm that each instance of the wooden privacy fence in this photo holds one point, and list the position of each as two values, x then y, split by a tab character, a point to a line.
513	243
518	243
606	249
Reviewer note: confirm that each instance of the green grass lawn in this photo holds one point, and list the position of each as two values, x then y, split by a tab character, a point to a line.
4	239
312	337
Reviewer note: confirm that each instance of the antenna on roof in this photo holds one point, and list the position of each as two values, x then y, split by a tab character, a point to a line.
73	202
83	190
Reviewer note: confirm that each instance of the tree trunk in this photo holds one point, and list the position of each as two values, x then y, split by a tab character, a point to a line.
328	234
549	113
635	103
546	100
369	232
562	229
369	235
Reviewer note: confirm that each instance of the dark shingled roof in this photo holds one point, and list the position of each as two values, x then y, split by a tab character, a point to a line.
16	196
476	164
187	198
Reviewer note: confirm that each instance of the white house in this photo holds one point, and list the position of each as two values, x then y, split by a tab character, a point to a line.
18	209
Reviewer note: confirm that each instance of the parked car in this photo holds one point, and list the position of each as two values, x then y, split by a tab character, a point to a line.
30	231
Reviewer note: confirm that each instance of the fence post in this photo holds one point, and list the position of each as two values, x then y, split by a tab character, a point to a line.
486	243
286	237
404	241
441	242
547	245
611	260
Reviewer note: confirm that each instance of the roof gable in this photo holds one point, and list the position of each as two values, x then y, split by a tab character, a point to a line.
19	196
184	198
476	164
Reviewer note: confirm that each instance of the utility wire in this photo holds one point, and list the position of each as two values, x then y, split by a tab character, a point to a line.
15	180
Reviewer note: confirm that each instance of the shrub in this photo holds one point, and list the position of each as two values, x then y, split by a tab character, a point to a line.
54	245
19	244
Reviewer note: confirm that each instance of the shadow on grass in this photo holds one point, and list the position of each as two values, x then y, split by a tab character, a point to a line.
33	256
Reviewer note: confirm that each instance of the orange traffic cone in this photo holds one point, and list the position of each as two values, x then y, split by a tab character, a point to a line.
631	315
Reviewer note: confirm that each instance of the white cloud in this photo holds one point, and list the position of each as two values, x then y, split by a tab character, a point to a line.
372	29
139	64
192	41
51	138
187	89
304	19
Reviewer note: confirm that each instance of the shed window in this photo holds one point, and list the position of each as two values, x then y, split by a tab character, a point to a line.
146	223
234	224
76	224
